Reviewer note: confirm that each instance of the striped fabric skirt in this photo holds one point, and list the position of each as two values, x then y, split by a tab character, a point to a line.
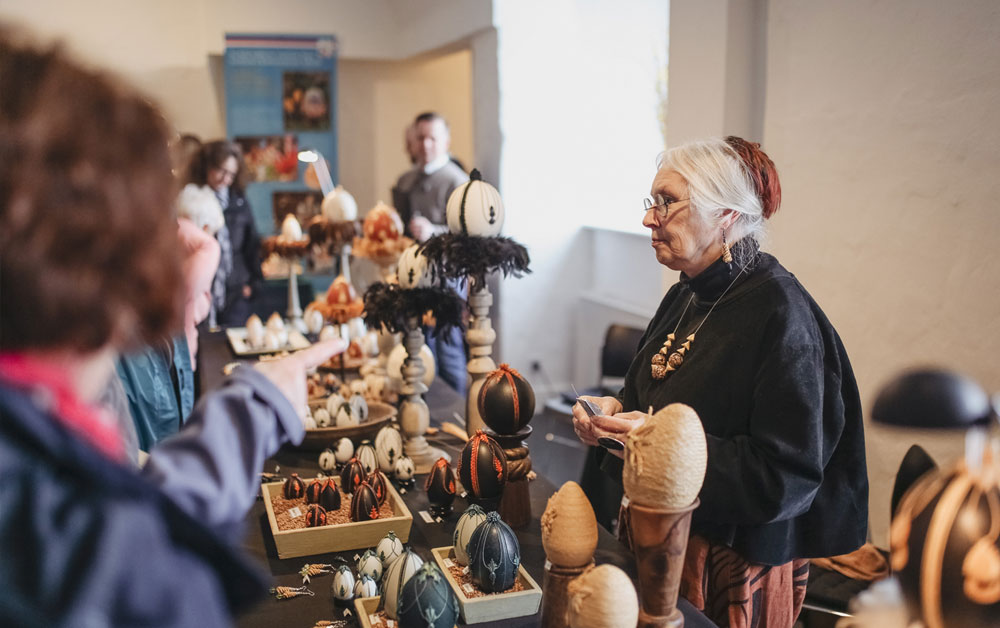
734	592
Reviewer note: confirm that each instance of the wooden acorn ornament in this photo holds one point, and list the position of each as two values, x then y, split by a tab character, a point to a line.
427	601
316	516
343	584
293	488
475	208
364	504
483	469
440	487
370	565
328	460
313	491
365	454
506	401
388	548
396	574
494	555
329	497
352	475
388	448
467	524
379	485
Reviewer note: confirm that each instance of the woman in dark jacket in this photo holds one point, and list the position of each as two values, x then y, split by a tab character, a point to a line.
218	165
741	341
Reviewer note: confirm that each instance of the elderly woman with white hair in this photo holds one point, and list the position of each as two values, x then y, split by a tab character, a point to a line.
741	341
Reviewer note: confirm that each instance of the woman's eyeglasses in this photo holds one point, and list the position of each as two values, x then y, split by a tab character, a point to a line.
659	205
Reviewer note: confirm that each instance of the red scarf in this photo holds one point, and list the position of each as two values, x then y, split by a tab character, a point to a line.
86	421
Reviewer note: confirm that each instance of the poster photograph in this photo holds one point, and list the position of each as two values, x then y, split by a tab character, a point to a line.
306	101
270	157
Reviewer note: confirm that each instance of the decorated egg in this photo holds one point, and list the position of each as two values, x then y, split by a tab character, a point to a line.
365	587
329	498
313	490
254	322
316	516
426	600
310	422
396	574
271	341
255	331
467	524
352	475
412	270
371	565
388	548
344	450
388	447
440	487
322	417
665	459
359	387
333	403
506	401
327	460
382	223
328	333
364	504
313	319
379	484
343	583
569	527
375	384
275	322
354	350
366	456
483	467
475	208
339	205
290	228
403	470
394	364
340	292
293	488
345	417
356	328
359	407
602	597
494	555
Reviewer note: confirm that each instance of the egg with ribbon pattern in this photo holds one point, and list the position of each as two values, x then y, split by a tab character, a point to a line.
379	484
483	467
359	407
344	450
352	475
346	417
293	488
388	548
370	565
494	555
339	205
427	601
396	574
412	270
365	587
313	491
316	516
382	223
365	453
506	401
364	504
440	487
328	460
467	524
329	497
322	417
475	208
343	583
388	447
403	470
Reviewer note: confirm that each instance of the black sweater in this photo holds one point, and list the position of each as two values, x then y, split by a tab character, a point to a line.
770	379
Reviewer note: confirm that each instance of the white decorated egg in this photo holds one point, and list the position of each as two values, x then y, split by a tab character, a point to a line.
396	575
255	326
313	319
255	335
403	471
343	583
388	549
327	460
344	450
328	333
322	417
467	524
366	456
365	587
412	270
388	448
359	407
375	384
290	228
309	423
271	341
345	418
275	322
475	208
356	328
339	205
370	565
359	387
333	403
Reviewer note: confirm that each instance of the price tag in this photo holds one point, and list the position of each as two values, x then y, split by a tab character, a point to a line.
426	516
468	588
465	569
295	513
448	563
373	620
390	623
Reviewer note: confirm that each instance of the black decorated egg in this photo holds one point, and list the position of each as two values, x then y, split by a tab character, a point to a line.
316	516
467	524
365	587
313	491
365	454
945	547
494	555
293	488
475	208
426	600
328	460
440	487
379	484
352	475
329	497
396	574
364	504
483	467
388	548
388	448
506	401
370	565
343	583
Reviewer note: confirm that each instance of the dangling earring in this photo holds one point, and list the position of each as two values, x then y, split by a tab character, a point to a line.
727	255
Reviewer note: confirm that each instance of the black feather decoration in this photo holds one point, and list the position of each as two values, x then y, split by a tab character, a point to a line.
457	256
390	306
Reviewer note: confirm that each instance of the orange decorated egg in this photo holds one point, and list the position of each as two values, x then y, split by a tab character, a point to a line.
340	292
383	223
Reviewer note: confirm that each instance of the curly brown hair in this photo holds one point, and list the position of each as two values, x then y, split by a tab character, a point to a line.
88	242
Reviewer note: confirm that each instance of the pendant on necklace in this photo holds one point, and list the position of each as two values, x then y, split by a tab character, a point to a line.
661	365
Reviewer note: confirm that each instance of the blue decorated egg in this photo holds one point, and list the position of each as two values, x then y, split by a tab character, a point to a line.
494	555
427	601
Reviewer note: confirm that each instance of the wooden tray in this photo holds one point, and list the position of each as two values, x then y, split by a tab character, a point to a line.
379	415
340	537
491	607
365	607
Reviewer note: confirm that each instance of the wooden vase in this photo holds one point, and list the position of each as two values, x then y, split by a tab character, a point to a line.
659	538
